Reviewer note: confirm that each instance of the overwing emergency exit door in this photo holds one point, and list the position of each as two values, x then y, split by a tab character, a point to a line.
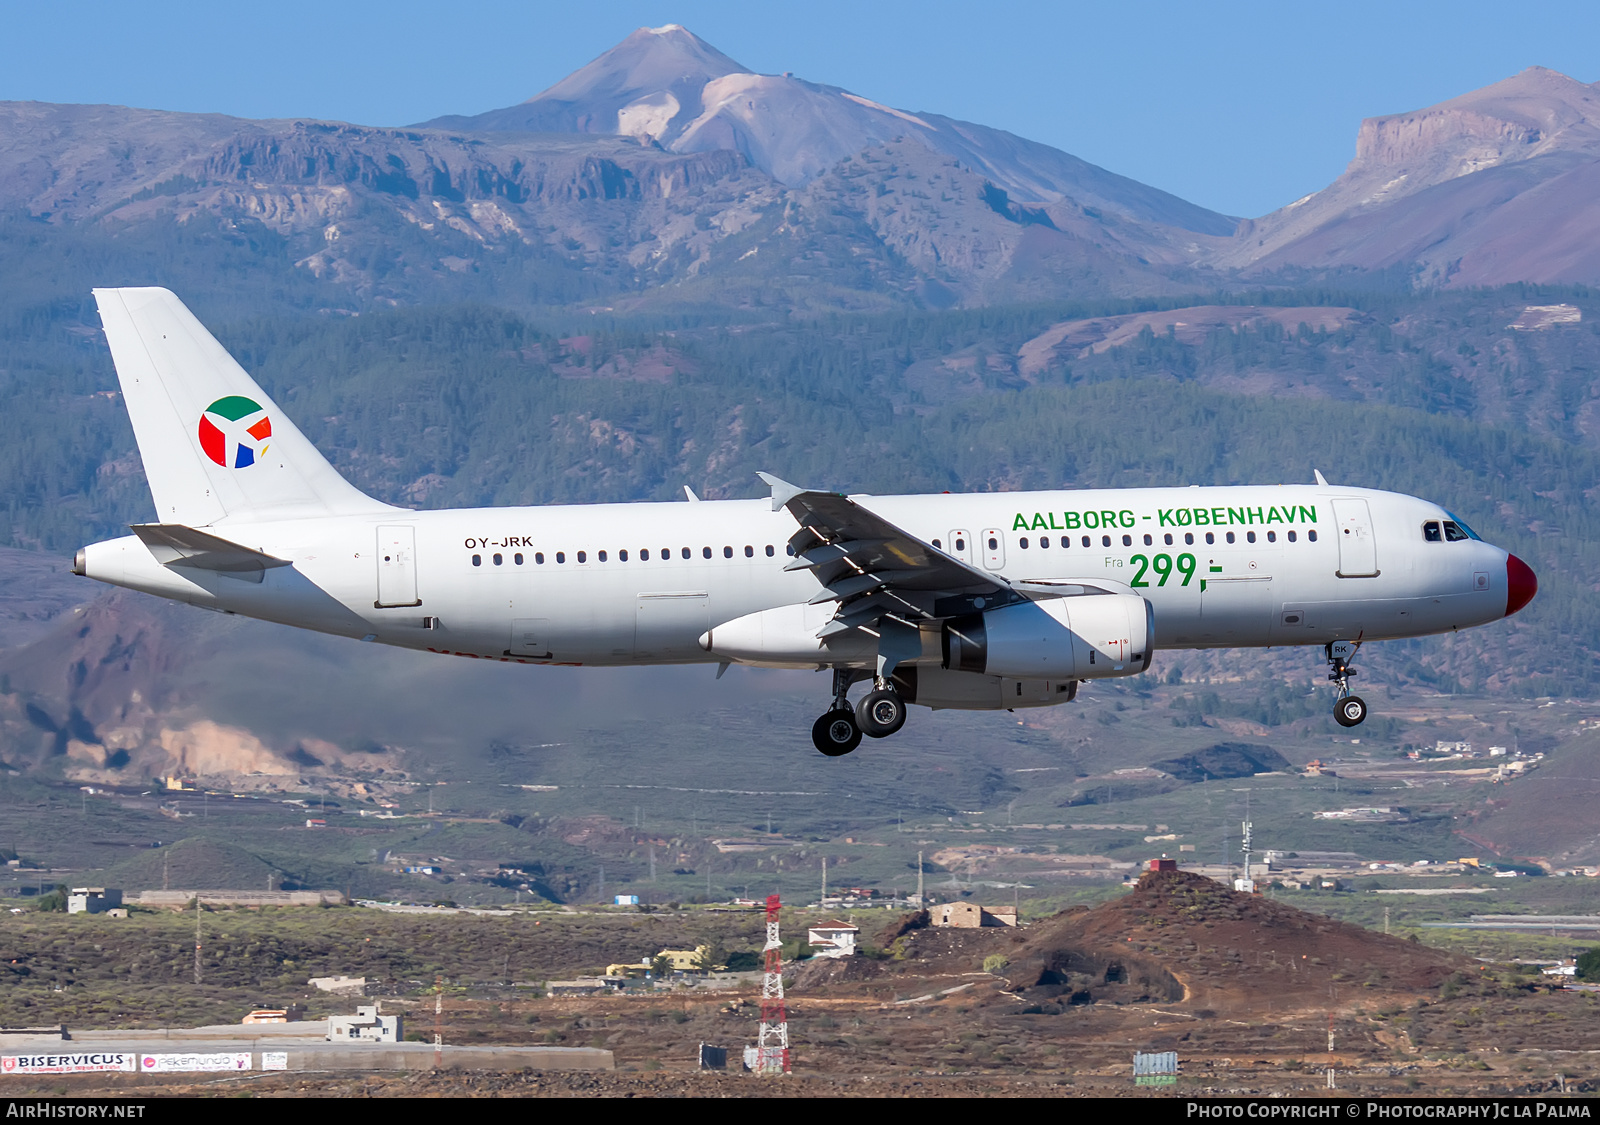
1358	548
397	567
993	544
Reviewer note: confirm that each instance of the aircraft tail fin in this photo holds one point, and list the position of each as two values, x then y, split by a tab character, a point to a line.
214	444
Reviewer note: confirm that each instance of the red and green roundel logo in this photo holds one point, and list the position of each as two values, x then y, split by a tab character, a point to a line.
234	431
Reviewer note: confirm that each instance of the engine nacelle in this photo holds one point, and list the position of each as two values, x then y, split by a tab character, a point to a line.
1088	637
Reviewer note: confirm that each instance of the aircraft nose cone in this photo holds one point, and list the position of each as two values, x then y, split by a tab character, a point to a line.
1521	584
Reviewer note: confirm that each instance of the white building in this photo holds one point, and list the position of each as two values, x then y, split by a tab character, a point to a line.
93	900
833	939
366	1026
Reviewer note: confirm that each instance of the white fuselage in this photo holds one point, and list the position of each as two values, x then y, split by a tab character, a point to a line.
643	583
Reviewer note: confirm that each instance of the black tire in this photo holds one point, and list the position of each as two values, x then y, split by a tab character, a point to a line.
880	713
1351	711
836	733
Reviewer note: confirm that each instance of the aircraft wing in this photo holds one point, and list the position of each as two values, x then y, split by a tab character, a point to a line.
872	568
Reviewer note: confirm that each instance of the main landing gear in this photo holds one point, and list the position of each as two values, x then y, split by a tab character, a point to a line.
880	713
1348	710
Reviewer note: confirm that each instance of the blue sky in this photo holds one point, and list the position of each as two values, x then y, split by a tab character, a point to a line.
1241	107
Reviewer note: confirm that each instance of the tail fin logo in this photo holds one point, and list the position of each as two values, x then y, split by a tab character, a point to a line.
234	432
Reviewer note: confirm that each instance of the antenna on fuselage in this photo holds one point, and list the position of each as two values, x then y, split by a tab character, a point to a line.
1322	480
689	493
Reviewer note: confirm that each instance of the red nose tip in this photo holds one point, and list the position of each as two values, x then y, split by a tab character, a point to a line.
1521	584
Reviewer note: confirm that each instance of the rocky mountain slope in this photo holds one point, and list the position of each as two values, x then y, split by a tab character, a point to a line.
1494	186
667	86
664	172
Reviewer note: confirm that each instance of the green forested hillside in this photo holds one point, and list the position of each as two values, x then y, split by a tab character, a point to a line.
463	404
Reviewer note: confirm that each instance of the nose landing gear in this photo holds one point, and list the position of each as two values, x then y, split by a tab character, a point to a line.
1349	710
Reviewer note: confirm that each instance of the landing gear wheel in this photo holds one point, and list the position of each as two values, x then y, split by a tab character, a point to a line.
1351	711
836	733
880	713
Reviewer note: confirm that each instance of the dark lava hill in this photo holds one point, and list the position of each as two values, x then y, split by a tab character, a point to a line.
1177	940
1223	950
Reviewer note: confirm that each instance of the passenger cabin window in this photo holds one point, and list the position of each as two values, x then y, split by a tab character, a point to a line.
561	556
769	550
538	558
1148	541
1066	540
517	558
1249	537
749	552
499	559
622	556
1044	542
705	551
961	544
727	552
477	560
1105	541
1312	535
583	556
1023	542
688	554
1211	537
1087	541
938	545
601	556
1167	538
1272	536
994	544
1453	532
1230	537
1291	537
1127	540
1431	533
644	554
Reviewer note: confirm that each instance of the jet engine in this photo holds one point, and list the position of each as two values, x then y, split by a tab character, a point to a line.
1096	635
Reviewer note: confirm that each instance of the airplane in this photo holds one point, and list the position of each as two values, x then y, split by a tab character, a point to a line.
990	601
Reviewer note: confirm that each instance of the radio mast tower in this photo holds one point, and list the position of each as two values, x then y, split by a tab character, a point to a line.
772	1044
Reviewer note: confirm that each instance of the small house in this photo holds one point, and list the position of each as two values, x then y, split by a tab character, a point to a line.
833	939
971	916
93	900
366	1026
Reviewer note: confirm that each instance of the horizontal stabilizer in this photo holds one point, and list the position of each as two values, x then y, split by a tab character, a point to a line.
173	544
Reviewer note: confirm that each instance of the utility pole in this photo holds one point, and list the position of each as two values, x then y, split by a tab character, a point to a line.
824	897
438	1022
165	884
197	937
602	882
652	863
1386	921
922	902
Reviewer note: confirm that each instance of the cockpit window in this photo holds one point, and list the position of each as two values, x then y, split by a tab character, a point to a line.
1430	532
1453	532
1460	525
